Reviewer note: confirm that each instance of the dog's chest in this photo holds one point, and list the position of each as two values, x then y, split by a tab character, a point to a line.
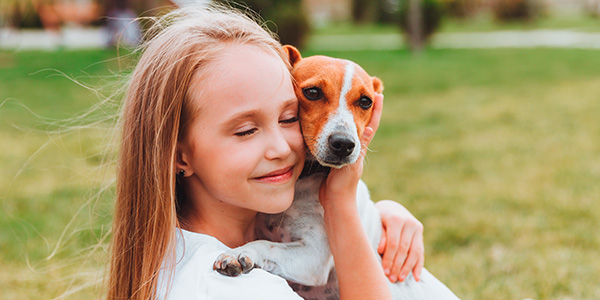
330	291
304	215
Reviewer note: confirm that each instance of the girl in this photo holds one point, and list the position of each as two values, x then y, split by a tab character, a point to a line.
211	138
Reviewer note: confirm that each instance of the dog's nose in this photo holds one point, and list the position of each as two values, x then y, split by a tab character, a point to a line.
341	146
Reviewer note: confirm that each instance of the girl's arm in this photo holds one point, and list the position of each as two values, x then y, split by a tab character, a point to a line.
359	272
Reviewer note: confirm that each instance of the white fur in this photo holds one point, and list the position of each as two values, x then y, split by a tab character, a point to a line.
341	121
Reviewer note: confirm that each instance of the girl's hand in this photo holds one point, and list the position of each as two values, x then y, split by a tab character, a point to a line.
341	183
401	241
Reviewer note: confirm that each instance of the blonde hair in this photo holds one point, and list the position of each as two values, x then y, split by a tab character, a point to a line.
155	115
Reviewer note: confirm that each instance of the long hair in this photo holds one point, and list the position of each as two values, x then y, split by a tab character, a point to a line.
155	116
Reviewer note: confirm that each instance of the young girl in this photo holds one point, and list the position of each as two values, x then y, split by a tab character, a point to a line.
211	138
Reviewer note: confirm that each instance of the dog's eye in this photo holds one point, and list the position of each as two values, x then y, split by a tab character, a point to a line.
365	102
312	93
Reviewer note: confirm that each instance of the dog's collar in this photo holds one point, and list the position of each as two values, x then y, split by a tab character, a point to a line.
313	167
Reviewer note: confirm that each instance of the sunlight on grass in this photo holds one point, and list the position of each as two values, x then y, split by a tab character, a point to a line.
486	22
482	22
504	181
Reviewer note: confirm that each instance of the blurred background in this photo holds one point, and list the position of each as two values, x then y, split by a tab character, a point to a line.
490	134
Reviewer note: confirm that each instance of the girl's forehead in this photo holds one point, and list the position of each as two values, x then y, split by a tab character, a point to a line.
242	77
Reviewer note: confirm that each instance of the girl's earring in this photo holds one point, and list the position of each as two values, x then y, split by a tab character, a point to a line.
181	173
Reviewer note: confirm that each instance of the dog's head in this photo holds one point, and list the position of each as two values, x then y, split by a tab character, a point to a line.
336	99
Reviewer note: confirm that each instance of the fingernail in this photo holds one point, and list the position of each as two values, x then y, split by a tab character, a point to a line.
402	278
393	278
386	271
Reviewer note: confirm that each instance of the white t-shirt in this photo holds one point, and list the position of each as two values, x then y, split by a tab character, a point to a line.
195	278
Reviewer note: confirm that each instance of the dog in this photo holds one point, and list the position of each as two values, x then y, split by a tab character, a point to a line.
335	104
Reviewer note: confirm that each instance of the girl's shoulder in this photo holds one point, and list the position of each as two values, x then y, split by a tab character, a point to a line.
194	277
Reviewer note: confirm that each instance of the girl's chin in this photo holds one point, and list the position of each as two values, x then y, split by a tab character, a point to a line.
276	208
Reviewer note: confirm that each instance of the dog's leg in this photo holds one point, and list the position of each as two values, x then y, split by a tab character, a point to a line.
301	254
282	259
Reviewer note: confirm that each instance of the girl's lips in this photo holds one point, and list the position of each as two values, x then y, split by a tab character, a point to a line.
277	176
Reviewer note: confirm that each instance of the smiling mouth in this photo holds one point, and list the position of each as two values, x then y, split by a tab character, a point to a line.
278	176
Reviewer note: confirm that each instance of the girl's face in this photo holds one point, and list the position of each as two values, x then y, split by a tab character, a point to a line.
244	149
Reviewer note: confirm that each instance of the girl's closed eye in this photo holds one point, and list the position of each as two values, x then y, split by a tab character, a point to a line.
291	120
245	132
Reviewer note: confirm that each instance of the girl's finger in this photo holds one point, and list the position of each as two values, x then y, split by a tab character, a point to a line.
415	258
381	246
419	249
409	264
377	111
391	249
371	128
419	268
406	240
368	135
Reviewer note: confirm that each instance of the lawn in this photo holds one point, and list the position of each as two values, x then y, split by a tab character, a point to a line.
482	22
497	152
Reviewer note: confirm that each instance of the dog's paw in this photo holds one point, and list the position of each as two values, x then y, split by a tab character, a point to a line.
229	265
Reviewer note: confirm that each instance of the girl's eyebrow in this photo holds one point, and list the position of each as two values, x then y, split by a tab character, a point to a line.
290	102
231	121
248	114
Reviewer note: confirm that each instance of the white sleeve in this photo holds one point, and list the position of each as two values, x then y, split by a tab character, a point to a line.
258	284
195	280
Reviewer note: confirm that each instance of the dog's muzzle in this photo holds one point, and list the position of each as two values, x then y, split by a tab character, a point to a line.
341	145
339	149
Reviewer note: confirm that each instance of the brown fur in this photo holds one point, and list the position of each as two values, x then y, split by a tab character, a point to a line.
327	73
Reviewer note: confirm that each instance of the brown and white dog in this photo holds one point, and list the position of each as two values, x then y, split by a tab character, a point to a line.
335	99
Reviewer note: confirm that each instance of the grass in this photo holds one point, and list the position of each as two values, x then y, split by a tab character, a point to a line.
485	23
482	22
496	152
51	172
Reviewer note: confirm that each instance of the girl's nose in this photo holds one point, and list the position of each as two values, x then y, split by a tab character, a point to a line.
277	145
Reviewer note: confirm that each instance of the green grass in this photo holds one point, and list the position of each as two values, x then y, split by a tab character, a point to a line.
485	23
479	23
497	152
51	171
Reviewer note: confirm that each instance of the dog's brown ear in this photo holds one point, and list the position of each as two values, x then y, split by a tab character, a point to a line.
377	84
293	54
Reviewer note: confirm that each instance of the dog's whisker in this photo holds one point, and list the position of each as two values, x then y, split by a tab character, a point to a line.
281	220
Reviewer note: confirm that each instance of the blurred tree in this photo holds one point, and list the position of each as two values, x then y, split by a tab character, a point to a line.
49	14
19	14
284	17
419	19
362	10
515	10
379	11
592	7
461	8
387	11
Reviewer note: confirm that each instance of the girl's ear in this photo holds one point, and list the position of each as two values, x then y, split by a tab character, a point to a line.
182	159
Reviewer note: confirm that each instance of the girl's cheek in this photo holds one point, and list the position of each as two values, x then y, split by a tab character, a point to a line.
299	143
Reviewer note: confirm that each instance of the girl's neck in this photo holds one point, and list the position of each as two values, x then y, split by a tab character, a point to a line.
233	226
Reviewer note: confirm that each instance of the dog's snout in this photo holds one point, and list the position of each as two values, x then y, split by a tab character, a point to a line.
341	146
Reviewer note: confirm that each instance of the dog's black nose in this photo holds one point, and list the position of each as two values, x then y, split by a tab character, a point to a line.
341	146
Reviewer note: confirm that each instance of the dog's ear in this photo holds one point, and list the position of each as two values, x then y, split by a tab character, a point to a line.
293	54
377	84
